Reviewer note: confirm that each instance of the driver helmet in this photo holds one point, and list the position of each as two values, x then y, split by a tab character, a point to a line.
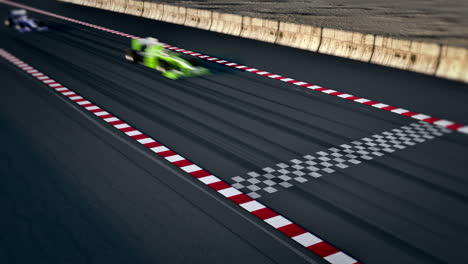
19	13
152	40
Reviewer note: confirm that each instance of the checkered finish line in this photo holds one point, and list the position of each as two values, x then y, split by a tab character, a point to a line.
296	171
396	110
305	238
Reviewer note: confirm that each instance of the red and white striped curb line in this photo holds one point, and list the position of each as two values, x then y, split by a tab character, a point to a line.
400	111
279	222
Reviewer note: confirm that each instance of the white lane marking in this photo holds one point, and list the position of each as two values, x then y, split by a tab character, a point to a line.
120	126
209	179
191	168
92	107
252	206
133	132
274	76
443	123
102	113
228	192
83	102
278	221
111	119
75	98
362	100
340	258
174	158
146	140
159	149
329	91
307	239
399	111
380	105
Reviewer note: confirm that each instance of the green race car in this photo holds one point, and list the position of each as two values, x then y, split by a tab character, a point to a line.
151	53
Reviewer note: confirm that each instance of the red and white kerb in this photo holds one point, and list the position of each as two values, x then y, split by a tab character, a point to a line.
396	110
279	222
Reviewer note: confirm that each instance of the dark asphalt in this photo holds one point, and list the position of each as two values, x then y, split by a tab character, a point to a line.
78	192
73	191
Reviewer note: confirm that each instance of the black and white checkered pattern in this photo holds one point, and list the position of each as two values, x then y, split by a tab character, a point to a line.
270	179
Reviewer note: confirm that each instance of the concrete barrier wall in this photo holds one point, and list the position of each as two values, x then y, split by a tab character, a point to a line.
89	3
424	57
174	14
392	52
299	36
134	7
428	58
78	2
351	45
119	5
259	29
453	64
226	23
153	10
406	54
108	5
101	3
198	18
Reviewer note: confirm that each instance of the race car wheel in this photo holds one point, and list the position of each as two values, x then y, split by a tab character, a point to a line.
131	56
8	22
164	66
41	24
19	26
190	59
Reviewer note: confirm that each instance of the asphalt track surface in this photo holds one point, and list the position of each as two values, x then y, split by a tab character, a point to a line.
74	191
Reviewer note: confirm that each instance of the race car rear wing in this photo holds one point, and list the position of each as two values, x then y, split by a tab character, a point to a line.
18	12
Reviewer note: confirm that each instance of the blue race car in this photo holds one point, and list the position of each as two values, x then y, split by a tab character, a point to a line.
19	19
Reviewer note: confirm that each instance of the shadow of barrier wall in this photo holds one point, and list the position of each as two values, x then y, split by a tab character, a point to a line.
422	57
